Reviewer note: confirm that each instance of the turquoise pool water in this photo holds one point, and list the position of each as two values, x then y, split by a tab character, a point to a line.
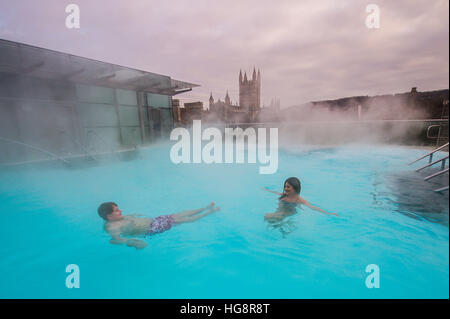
388	217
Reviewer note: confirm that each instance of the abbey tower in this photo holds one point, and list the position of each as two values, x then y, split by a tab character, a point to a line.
250	91
249	101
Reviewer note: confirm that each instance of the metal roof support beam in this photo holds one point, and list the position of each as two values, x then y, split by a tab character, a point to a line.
141	116
33	67
133	80
180	91
155	84
146	87
105	77
72	74
32	58
116	107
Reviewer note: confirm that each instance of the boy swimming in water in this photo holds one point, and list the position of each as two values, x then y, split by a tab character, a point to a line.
118	225
289	200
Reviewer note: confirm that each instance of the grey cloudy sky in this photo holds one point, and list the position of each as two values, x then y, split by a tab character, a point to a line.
306	50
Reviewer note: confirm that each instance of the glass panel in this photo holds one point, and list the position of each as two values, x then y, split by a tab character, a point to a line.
155	123
9	54
158	100
129	115
126	97
131	135
54	62
47	126
12	85
95	94
30	87
10	152
97	114
102	139
166	116
51	90
145	115
9	120
166	121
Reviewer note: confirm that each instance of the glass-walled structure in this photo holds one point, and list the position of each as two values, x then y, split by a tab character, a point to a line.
52	102
159	109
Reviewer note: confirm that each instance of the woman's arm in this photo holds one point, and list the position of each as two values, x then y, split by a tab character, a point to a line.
305	202
268	190
274	216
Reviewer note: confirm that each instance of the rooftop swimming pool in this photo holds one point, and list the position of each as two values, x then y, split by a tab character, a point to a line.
388	216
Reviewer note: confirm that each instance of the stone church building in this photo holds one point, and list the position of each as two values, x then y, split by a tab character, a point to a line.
249	102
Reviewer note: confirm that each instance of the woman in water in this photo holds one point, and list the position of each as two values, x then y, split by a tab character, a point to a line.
118	225
289	200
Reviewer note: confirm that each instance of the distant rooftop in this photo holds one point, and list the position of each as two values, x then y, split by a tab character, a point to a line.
38	62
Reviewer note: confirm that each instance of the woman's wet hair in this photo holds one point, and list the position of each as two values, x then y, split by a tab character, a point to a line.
105	209
295	183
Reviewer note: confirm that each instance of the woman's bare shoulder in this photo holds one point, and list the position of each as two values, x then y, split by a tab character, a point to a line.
301	200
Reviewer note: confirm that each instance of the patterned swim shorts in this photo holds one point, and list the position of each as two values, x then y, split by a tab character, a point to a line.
160	224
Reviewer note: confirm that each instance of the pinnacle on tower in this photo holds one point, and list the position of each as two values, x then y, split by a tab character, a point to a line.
245	77
211	100
227	98
259	76
254	74
240	76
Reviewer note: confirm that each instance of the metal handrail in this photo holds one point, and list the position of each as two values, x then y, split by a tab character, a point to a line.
35	148
80	145
429	154
430	127
134	130
444	115
101	139
111	149
442	171
85	150
436	174
431	164
441	189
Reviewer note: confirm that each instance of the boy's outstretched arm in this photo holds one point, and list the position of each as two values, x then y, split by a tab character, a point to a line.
306	203
268	190
136	243
118	240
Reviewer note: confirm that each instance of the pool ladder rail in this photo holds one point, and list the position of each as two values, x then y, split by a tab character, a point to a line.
431	163
55	156
442	126
35	148
85	150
